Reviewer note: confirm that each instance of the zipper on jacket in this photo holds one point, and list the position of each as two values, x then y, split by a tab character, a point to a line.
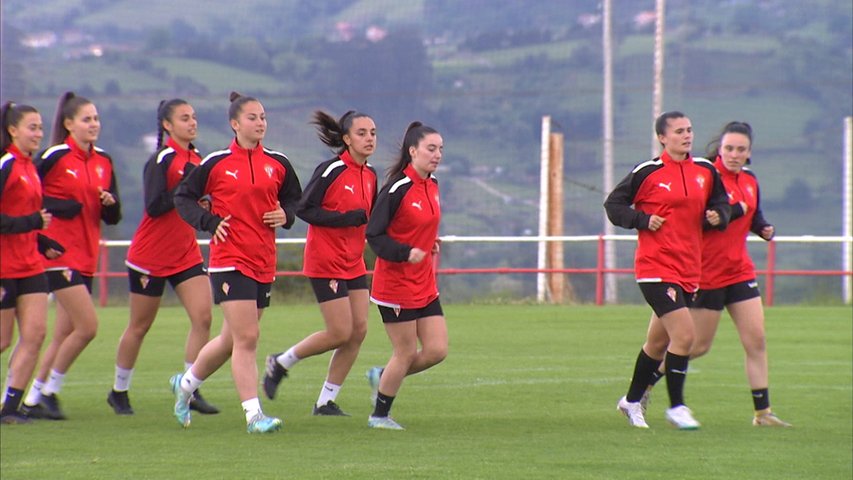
683	180
251	168
429	200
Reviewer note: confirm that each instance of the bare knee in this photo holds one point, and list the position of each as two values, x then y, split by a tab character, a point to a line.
699	349
435	354
5	343
202	320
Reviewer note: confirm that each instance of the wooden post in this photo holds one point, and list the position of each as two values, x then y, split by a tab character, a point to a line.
560	289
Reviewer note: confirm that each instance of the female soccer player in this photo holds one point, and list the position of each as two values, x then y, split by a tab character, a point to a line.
403	231
80	190
22	280
667	200
336	204
255	190
728	274
165	248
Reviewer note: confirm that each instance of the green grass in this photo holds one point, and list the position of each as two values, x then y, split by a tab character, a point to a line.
526	392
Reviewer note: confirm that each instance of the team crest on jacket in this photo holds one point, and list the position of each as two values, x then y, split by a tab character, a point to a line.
268	168
100	171
333	285
143	280
701	181
671	293
225	288
67	274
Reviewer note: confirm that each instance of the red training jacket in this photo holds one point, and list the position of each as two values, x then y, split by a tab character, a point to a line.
406	215
725	258
20	217
164	244
679	191
243	183
72	179
336	205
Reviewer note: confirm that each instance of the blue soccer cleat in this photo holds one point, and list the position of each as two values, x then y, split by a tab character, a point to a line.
373	376
261	423
182	401
383	423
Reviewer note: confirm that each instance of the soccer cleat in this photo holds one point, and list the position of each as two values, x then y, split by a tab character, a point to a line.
33	411
261	423
633	411
330	409
14	418
768	419
182	401
373	375
50	404
273	375
682	418
383	423
120	402
200	405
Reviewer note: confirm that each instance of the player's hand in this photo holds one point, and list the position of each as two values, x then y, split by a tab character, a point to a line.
655	222
221	232
416	255
52	253
713	217
275	218
744	206
106	197
768	232
45	218
436	247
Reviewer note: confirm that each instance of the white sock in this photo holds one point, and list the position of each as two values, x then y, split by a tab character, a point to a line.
34	395
122	381
251	407
329	392
54	383
188	365
288	359
189	382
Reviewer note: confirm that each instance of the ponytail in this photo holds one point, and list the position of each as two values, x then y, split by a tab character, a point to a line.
164	112
69	105
10	115
414	133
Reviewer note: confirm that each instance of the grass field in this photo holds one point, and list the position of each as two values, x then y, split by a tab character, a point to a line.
526	392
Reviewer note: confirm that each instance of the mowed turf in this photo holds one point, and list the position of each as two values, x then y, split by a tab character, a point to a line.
526	392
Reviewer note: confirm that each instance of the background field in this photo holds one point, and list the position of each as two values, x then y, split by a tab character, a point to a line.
527	392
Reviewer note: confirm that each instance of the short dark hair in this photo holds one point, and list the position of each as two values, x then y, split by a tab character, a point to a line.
332	131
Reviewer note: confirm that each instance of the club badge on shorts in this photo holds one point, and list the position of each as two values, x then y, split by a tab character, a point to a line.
333	284
225	288
672	294
67	274
144	280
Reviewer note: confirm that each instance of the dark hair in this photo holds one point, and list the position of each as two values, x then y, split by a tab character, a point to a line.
164	112
10	116
713	147
664	118
69	105
237	102
414	133
331	131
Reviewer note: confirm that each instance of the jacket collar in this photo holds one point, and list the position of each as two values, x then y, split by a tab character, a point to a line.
181	150
69	140
413	174
666	159
235	147
17	153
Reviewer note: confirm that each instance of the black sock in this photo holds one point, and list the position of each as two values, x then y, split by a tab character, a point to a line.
676	373
642	376
656	376
761	399
383	405
13	399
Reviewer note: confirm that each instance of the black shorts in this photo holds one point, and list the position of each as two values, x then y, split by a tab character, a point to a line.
396	314
233	285
151	286
59	279
12	288
326	289
718	298
666	297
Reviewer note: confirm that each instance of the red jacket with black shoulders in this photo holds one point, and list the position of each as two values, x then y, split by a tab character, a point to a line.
20	215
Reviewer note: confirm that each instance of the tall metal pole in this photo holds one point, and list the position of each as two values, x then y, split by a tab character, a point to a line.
544	154
847	211
610	292
657	89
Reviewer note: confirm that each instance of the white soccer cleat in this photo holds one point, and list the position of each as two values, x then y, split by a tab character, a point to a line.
633	411
682	418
